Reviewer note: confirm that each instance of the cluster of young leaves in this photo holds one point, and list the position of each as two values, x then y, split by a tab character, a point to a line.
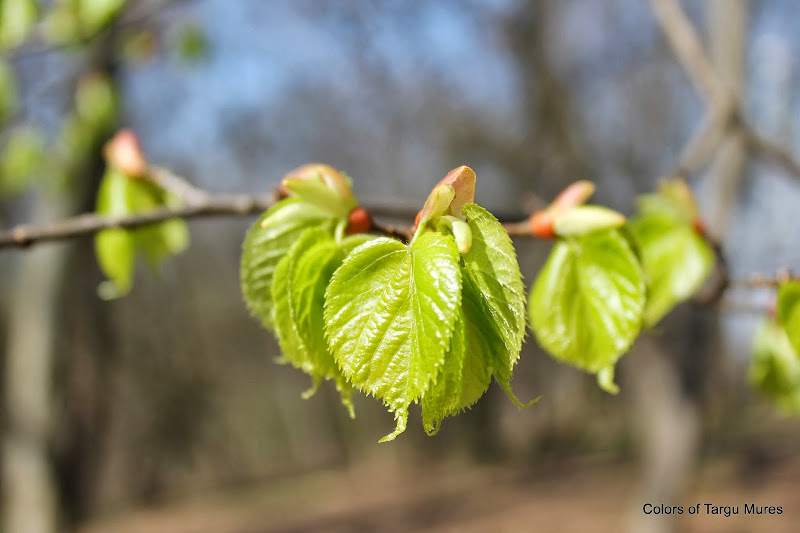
288	258
775	365
605	279
430	321
126	190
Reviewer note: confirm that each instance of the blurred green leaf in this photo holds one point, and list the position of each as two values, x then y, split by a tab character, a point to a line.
138	45
676	260
93	15
116	254
120	195
775	367
21	159
390	310
16	21
789	311
587	302
191	45
60	23
95	101
8	91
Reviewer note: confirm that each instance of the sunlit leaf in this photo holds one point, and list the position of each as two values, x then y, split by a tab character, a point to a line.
390	310
16	20
95	14
298	293
788	311
587	302
676	259
120	195
494	296
775	367
265	244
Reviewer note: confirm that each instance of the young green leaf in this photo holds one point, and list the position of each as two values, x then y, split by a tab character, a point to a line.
464	378
298	291
676	259
789	311
775	367
493	296
390	310
116	248
265	244
587	302
116	253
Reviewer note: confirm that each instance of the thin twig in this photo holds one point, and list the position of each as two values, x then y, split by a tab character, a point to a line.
757	281
395	232
88	224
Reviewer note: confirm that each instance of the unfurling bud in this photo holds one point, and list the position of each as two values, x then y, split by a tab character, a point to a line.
573	196
461	232
358	221
680	195
124	153
449	196
542	222
322	186
586	219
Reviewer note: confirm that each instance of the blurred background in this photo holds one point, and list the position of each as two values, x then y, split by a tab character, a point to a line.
164	410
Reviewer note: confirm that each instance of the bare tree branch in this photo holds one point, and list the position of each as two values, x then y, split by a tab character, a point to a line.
87	224
724	116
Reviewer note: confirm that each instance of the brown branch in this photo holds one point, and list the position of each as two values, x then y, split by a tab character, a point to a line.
394	232
757	281
88	224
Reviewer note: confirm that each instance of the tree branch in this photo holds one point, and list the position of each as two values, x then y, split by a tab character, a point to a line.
725	114
88	224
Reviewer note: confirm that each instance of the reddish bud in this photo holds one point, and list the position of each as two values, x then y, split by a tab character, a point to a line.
542	225
462	179
416	222
124	153
699	226
358	221
573	196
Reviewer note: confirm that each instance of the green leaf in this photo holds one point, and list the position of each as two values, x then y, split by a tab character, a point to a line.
116	253
117	248
493	295
191	45
464	379
587	302
298	291
676	260
390	310
16	20
789	311
775	367
265	244
21	159
8	91
95	14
